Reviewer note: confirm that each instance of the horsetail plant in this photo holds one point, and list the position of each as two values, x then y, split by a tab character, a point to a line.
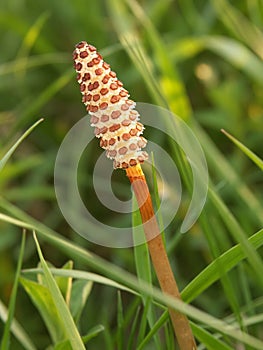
116	123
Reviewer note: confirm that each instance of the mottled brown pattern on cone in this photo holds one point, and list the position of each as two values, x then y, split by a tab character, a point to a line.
113	114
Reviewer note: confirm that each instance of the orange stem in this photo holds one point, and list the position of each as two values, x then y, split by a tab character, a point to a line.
159	256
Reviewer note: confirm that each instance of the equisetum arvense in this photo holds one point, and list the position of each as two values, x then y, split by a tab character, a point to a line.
116	123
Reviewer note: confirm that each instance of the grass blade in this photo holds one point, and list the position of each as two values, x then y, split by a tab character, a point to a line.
66	318
211	273
9	153
80	293
120	323
226	171
17	329
133	330
239	235
88	276
43	301
244	149
30	39
11	309
210	341
93	332
142	262
141	253
154	329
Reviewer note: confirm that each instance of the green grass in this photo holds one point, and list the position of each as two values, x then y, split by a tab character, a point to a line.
201	60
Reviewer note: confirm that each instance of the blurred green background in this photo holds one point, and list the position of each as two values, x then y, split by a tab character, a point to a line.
205	64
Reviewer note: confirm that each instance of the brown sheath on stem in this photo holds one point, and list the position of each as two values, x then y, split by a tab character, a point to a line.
159	257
